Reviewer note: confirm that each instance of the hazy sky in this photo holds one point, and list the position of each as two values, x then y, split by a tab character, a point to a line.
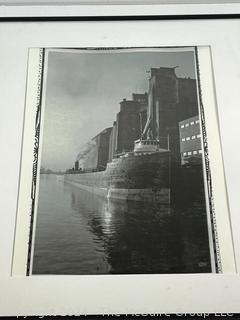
83	92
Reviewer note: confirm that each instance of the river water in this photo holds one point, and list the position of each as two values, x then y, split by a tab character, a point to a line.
80	233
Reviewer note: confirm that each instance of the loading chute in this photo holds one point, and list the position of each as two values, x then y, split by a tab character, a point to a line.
151	129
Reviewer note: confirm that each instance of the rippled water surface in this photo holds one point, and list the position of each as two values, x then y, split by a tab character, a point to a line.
80	233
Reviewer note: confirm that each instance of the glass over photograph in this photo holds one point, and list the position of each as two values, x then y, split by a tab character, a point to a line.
122	185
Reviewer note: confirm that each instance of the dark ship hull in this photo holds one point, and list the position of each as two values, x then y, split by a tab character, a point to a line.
138	177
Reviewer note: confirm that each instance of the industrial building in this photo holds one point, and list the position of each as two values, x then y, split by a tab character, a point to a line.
102	143
175	103
190	140
142	99
95	154
174	100
187	98
128	125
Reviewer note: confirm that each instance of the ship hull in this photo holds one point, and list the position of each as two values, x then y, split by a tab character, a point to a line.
134	177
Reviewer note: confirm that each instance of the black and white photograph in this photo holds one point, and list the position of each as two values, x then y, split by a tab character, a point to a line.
119	167
122	187
122	184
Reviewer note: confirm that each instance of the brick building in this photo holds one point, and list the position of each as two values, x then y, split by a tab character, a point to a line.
190	140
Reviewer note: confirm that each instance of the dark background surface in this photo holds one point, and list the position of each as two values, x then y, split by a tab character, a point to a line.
122	18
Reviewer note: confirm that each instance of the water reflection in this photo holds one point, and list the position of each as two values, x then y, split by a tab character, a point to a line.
146	238
80	233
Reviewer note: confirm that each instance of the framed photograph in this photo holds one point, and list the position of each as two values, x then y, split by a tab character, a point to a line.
121	183
129	171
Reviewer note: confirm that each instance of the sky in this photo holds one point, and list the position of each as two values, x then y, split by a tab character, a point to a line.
83	92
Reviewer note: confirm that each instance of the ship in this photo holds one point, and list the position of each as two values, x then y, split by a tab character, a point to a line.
142	174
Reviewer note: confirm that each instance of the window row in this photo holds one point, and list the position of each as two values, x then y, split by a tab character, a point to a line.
191	138
189	124
190	153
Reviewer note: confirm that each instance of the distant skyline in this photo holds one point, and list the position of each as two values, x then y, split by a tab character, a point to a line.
83	92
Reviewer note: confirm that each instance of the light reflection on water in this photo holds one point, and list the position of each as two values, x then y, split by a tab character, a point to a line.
80	233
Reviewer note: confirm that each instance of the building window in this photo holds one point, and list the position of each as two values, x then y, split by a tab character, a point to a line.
183	139
193	137
192	123
195	152
184	153
199	151
199	135
188	138
189	153
182	126
197	121
187	125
